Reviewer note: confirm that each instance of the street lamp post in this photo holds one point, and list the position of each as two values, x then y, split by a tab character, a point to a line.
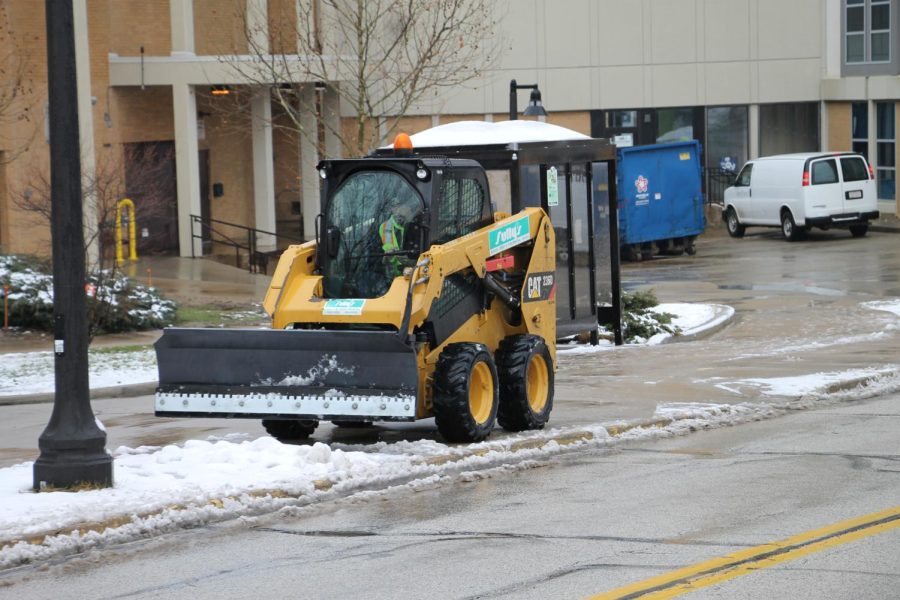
73	446
534	108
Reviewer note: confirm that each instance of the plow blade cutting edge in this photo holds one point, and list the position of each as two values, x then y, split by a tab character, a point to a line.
260	373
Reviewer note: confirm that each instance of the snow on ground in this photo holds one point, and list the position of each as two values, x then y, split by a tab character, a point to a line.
690	319
808	385
160	489
32	372
891	306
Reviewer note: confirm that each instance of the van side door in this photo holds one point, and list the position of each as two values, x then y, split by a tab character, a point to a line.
858	190
824	195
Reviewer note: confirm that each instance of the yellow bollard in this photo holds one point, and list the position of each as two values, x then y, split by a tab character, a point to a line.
132	231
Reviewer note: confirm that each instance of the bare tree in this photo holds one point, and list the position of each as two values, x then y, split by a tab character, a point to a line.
18	127
380	57
105	187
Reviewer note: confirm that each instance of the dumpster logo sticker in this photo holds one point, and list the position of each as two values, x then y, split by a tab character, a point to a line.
540	286
641	184
511	234
349	307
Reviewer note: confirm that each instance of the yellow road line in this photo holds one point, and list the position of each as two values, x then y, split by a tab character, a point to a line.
747	561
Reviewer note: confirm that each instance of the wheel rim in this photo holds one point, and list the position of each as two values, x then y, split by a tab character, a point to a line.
481	392
787	226
538	382
732	221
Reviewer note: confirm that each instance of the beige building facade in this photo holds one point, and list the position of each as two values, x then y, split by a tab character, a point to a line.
745	77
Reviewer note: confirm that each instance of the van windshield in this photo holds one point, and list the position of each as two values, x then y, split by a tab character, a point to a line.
854	169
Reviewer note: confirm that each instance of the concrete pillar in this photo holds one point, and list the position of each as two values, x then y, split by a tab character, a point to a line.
258	26
753	125
331	114
181	17
309	158
86	131
263	166
187	168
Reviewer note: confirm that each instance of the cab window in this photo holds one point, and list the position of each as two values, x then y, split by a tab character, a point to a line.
854	169
824	172
743	180
461	209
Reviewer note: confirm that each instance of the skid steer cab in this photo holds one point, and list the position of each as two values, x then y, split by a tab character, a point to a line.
415	301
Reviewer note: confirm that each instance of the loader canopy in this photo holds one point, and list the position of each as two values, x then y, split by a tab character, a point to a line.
372	223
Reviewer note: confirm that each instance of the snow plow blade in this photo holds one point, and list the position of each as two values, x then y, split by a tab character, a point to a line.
259	373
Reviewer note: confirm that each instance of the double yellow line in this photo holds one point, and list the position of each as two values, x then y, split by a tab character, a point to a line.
740	563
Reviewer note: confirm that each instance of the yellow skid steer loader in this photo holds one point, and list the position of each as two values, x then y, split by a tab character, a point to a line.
415	301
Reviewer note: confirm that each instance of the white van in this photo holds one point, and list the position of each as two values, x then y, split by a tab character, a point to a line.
799	191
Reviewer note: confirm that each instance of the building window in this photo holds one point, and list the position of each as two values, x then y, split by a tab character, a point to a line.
867	37
856	31
859	128
886	164
880	31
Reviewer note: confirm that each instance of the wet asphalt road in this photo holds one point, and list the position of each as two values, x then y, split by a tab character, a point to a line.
589	522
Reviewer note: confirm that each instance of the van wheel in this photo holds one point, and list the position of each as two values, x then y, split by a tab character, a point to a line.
789	229
735	229
859	230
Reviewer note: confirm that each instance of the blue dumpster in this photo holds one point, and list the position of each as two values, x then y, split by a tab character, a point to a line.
660	199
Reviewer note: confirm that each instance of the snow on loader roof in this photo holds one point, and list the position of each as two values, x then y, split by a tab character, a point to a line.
479	133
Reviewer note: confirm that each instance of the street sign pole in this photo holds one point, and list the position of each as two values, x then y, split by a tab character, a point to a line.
73	446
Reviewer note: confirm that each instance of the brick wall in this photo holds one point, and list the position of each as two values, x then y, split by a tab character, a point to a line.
219	27
839	132
133	24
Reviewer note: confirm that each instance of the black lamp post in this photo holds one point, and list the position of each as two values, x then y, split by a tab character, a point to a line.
73	446
534	108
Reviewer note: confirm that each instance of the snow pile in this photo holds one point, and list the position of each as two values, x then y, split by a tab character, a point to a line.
687	320
891	306
816	385
476	133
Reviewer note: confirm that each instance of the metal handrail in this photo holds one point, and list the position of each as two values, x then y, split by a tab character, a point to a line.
252	234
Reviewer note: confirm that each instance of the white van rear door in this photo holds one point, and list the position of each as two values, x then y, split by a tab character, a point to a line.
824	193
858	188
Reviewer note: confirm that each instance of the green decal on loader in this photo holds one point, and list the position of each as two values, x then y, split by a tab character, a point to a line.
511	234
343	307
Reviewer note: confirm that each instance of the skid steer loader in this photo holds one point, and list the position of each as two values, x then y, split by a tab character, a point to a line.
415	301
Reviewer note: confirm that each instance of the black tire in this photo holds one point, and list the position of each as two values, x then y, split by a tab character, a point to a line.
733	225
289	430
353	424
465	393
526	383
789	229
859	231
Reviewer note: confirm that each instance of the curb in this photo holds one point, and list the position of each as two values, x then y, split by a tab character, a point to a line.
104	393
724	317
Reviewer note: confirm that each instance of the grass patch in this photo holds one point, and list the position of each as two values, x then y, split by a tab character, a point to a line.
215	316
121	349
